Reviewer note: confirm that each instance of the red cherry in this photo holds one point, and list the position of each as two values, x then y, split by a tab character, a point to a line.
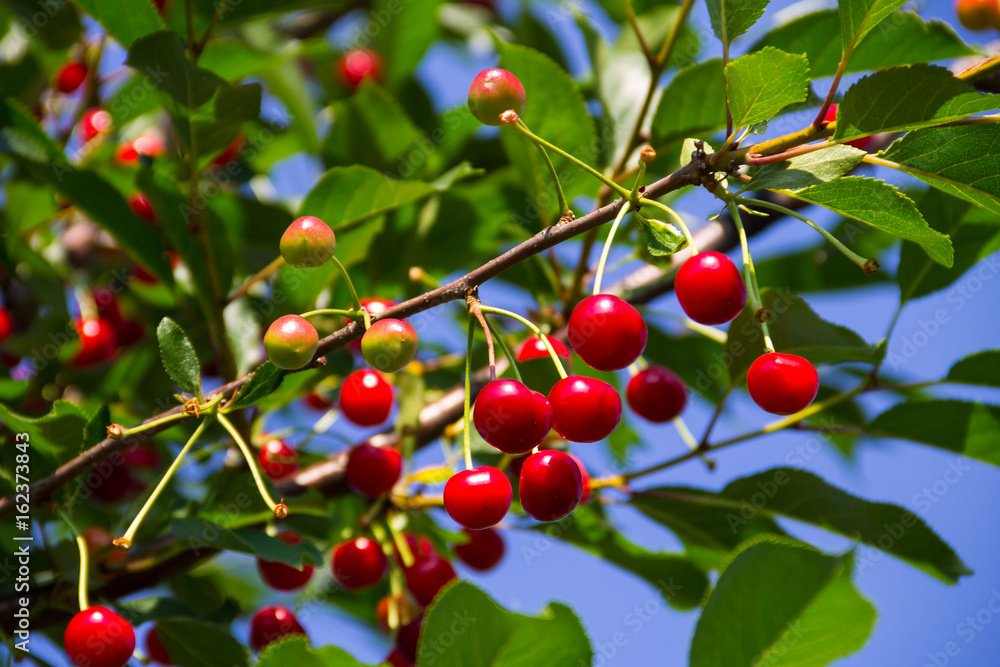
283	577
511	417
130	151
271	624
107	304
420	547
229	153
477	498
98	637
551	485
483	551
607	332
94	122
142	457
372	471
130	332
656	394
97	341
782	384
404	607
365	398
142	208
710	288
534	348
70	77
375	305
155	650
428	576
397	659
493	92
584	409
318	402
407	638
358	563
585	496
6	324
100	548
359	64
278	459
864	143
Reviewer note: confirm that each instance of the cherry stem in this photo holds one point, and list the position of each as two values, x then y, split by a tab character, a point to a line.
474	309
158	422
126	540
402	546
523	129
263	274
84	560
863	263
498	336
351	314
633	196
685	433
560	195
676	218
607	245
355	301
535	330
228	425
466	436
750	274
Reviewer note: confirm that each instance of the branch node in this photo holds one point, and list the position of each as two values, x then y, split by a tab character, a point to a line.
115	432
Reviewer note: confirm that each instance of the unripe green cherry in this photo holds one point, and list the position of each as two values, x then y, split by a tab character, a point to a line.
290	342
389	345
308	242
494	91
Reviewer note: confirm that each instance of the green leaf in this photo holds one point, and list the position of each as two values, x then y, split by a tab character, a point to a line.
20	135
556	112
179	357
689	107
966	428
907	98
795	329
809	169
161	58
780	602
195	643
295	650
882	206
761	84
125	20
732	18
199	533
911	40
674	576
661	238
975	235
489	636
800	495
264	380
981	368
858	17
60	431
962	161
410	29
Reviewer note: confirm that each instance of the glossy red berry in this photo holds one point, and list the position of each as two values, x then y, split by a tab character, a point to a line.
278	459
372	471
477	498
408	637
271	624
389	345
97	341
710	288
511	417
70	77
6	324
483	551
229	153
584	409
318	401
607	332
283	577
656	394
782	384
864	143
290	342
428	576
420	548
94	122
155	650
534	348
359	64
551	485
308	242
494	91
358	563
365	398
98	637
585	496
397	659
375	305
142	208
128	153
